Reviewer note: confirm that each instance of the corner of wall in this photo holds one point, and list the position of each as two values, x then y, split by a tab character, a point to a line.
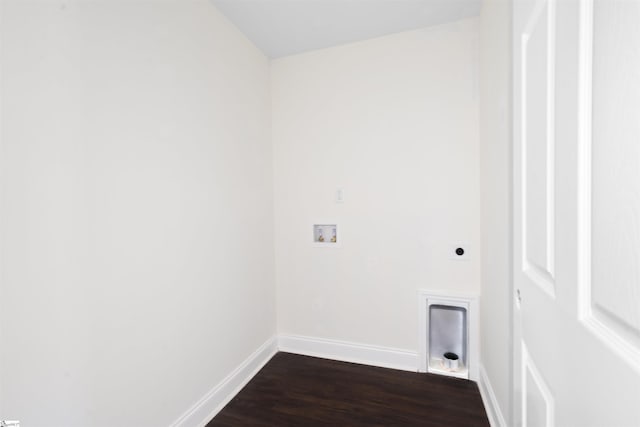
215	399
491	404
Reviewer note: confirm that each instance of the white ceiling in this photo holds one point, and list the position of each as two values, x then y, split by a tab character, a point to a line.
286	27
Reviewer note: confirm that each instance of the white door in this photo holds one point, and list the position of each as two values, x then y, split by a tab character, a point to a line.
576	213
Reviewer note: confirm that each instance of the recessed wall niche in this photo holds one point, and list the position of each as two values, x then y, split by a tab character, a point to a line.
326	234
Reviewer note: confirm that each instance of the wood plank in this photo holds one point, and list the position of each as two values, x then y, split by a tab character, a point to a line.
294	390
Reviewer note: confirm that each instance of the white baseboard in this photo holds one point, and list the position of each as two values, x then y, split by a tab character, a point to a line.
496	419
349	352
212	402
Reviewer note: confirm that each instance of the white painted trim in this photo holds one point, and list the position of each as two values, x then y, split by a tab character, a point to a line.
383	357
211	403
491	405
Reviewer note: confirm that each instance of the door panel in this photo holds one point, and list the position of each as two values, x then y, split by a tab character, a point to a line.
576	213
616	169
537	142
538	404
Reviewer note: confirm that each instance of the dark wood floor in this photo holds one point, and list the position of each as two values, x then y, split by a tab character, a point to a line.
293	390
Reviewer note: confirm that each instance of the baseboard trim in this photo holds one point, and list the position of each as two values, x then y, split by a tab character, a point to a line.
212	402
496	419
383	357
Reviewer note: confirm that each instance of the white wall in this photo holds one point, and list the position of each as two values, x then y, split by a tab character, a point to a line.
137	242
394	121
495	125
